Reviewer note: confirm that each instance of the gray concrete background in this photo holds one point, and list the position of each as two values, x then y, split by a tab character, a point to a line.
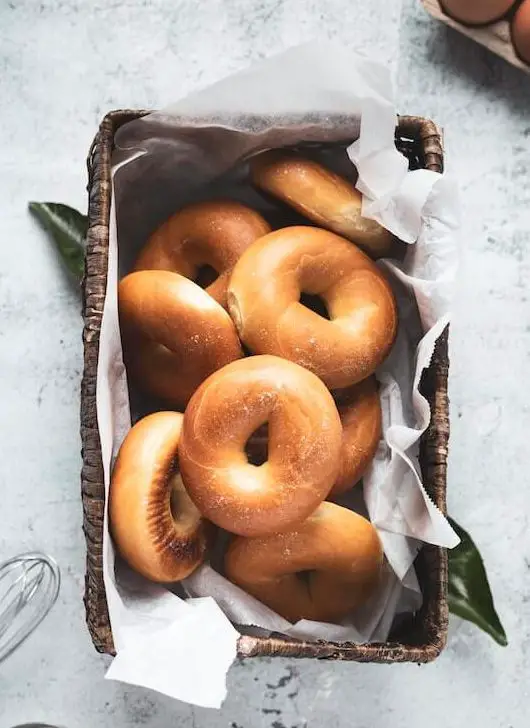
63	64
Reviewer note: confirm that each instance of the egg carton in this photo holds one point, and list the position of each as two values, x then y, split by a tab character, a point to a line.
495	36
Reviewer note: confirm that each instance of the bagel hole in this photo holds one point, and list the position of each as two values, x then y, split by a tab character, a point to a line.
305	577
314	303
257	446
183	510
205	276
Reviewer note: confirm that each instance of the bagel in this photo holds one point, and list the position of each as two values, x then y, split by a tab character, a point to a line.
174	334
154	524
264	302
321	570
360	415
304	444
206	237
322	196
361	418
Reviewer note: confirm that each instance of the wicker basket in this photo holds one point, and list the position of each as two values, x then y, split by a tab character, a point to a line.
422	637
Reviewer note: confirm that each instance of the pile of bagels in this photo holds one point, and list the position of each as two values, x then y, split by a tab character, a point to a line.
261	346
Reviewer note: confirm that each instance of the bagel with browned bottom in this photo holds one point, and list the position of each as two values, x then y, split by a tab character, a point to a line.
154	524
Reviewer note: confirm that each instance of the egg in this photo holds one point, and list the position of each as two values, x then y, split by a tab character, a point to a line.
476	12
521	31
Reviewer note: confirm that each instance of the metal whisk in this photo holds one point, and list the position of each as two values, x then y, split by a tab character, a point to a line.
29	586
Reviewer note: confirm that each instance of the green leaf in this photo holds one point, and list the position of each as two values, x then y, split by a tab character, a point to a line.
469	591
68	228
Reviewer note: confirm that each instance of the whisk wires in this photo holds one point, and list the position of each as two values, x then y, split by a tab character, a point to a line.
29	587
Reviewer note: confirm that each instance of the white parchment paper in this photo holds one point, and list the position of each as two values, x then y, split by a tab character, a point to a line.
196	149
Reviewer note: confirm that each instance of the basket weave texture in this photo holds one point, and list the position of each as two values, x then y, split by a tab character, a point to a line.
422	637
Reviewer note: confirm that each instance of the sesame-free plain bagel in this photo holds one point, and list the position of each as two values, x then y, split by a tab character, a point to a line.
174	334
304	441
322	569
203	238
264	302
322	196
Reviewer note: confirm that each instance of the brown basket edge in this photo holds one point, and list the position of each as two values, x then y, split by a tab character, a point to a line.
93	290
92	475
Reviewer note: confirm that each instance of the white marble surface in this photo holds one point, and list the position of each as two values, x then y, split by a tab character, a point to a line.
63	64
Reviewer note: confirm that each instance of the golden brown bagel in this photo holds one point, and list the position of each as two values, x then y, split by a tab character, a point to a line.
304	443
264	302
360	415
321	570
322	196
174	334
213	234
155	525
